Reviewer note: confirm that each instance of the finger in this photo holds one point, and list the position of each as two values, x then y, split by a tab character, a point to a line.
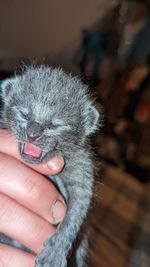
8	145
22	225
12	257
30	189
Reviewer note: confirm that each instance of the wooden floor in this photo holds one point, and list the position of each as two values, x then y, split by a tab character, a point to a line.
115	220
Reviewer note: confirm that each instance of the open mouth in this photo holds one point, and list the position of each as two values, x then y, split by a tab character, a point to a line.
30	152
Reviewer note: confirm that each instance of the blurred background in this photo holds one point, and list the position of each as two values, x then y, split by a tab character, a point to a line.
107	44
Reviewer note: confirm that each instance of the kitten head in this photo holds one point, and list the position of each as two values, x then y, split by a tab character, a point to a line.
48	111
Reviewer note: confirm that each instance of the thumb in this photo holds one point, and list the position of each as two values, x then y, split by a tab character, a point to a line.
9	146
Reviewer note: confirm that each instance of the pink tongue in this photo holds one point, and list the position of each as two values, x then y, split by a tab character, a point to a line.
32	150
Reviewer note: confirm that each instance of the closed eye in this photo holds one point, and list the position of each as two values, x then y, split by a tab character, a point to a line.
54	124
20	113
51	126
23	114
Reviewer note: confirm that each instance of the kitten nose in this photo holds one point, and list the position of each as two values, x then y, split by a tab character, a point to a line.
33	131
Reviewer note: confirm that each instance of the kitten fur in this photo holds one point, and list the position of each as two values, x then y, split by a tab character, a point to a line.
53	110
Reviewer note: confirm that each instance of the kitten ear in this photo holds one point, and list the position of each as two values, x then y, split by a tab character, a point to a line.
6	88
91	120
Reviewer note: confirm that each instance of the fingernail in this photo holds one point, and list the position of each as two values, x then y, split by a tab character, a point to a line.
58	211
56	163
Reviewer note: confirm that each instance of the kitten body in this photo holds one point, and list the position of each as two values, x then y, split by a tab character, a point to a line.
50	113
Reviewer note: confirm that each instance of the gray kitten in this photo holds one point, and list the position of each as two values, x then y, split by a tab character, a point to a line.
50	113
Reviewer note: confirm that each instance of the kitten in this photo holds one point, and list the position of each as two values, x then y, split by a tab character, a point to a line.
50	113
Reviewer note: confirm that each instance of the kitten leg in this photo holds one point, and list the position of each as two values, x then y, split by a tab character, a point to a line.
56	248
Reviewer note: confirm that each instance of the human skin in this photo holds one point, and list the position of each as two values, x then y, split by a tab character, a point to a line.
30	205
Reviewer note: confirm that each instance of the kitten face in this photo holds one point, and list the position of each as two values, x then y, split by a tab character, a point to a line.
48	111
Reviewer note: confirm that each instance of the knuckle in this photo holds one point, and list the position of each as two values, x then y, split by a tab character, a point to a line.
32	187
4	208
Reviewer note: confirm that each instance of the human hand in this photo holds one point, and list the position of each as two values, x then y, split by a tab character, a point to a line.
29	204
